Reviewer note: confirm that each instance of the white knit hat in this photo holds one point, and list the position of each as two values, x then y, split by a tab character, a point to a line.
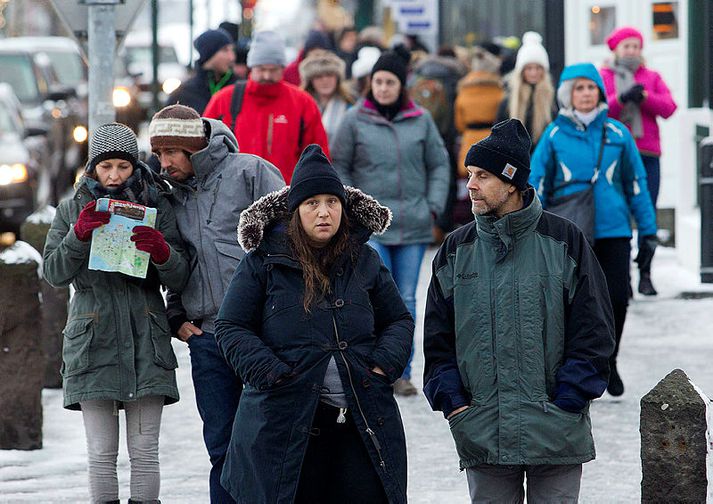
366	59
532	51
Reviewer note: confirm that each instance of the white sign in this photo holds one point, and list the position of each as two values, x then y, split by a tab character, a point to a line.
417	17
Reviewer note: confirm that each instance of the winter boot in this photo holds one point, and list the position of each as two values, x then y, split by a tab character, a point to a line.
645	286
404	387
616	386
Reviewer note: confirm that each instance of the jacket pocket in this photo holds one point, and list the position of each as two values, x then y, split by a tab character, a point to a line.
78	336
228	259
161	340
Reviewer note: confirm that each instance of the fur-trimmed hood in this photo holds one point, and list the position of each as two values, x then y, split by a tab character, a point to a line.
363	211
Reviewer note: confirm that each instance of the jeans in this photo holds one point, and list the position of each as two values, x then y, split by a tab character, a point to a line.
652	166
101	425
404	263
653	179
218	391
504	483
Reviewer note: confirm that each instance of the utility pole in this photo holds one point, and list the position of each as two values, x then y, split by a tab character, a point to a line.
101	44
155	57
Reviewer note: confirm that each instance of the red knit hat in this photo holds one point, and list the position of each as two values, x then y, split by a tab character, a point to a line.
622	33
177	127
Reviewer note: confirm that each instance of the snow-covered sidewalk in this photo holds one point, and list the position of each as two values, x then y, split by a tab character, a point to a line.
661	334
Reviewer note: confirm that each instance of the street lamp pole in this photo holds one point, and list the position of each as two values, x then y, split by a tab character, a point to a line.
101	44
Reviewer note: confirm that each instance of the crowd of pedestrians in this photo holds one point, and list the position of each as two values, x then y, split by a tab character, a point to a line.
338	170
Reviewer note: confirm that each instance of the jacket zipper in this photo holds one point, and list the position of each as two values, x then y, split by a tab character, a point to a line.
215	197
201	256
368	430
269	134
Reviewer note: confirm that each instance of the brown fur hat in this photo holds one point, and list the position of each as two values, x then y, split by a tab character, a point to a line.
320	62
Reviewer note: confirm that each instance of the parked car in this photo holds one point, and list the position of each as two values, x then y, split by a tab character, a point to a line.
64	109
44	73
23	151
136	54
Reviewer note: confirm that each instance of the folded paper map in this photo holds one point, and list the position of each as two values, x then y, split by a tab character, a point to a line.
112	248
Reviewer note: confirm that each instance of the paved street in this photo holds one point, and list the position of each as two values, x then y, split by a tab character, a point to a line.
661	334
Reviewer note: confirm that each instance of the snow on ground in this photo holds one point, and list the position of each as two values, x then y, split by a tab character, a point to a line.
661	334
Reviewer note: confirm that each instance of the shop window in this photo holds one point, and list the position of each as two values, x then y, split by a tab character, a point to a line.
665	20
602	20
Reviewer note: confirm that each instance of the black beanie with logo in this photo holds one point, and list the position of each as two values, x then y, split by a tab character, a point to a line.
505	153
313	175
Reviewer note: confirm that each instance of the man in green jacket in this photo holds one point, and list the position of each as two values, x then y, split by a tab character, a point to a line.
518	333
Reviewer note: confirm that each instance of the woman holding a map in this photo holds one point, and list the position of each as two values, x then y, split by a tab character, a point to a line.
116	242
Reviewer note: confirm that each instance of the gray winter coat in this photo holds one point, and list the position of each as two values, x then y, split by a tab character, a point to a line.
402	163
207	211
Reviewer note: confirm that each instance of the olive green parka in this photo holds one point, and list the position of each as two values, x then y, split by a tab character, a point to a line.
117	345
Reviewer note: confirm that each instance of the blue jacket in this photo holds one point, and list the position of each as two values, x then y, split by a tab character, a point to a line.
568	150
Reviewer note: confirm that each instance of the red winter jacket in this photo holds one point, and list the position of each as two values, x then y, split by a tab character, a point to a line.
276	122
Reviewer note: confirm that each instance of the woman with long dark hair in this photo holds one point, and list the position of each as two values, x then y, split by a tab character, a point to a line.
313	323
116	352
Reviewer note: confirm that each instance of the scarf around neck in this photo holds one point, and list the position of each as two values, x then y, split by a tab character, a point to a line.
624	79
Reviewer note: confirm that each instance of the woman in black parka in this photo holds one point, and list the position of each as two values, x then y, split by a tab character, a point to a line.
315	326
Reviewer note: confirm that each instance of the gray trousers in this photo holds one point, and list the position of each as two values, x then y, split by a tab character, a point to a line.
503	484
143	423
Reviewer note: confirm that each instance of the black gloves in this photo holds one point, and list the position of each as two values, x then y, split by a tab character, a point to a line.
634	94
647	247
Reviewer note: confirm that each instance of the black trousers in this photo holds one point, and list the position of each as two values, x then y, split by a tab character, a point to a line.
337	468
614	255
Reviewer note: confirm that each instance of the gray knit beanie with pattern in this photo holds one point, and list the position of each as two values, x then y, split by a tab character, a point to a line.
112	141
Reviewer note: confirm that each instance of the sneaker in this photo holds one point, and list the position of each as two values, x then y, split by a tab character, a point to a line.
645	286
616	386
404	387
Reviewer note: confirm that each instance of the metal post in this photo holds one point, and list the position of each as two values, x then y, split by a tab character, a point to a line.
706	205
190	33
101	45
155	106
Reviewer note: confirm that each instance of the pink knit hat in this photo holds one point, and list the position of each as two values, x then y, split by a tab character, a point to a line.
622	33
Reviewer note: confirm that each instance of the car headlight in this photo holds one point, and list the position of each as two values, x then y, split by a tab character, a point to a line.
12	173
80	134
170	85
121	97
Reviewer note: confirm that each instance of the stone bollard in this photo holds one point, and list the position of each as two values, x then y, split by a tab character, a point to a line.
674	442
54	300
22	361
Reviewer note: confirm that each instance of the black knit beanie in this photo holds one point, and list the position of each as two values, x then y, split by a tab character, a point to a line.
313	175
210	42
395	61
505	153
112	141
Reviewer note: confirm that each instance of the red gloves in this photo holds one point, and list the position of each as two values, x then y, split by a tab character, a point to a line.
152	241
89	219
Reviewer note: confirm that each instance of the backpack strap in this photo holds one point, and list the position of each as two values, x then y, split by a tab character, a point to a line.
236	102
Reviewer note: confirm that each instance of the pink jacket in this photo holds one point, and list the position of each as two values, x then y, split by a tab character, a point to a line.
658	102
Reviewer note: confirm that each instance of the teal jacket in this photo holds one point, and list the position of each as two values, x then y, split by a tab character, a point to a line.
518	320
116	344
402	163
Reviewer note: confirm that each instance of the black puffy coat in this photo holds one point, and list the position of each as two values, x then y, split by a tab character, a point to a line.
265	334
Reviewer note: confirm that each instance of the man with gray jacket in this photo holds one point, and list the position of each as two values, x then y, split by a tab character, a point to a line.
213	183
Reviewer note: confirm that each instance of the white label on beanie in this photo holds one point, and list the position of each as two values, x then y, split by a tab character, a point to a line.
509	171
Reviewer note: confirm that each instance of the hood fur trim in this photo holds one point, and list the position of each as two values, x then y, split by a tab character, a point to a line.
361	209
